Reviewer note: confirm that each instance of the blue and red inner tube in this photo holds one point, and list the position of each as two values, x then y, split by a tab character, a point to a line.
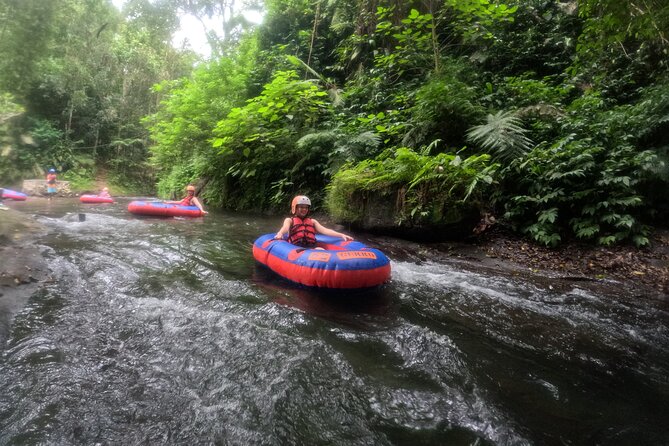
13	195
340	264
95	199
160	209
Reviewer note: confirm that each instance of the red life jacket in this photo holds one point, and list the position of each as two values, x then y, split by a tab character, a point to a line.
51	178
188	200
302	232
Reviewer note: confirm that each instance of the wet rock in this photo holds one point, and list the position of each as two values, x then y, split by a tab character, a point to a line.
22	269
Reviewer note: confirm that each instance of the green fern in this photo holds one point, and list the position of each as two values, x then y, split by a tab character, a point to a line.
428	188
502	136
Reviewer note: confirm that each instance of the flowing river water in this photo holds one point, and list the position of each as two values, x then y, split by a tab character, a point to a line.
165	331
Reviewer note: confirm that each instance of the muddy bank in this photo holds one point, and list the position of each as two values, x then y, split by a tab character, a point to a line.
641	271
23	267
639	268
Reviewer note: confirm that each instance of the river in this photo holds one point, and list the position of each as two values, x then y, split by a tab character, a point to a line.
165	331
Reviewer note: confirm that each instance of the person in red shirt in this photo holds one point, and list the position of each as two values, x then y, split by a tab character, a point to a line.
51	183
190	199
301	229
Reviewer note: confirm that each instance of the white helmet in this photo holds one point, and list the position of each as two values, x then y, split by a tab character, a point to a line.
300	199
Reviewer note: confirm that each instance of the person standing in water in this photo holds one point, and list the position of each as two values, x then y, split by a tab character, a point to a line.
190	199
51	183
301	229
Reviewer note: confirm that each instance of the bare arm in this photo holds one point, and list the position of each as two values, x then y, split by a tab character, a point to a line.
199	205
284	229
327	231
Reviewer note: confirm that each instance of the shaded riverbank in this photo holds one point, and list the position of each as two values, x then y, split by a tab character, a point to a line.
642	268
643	271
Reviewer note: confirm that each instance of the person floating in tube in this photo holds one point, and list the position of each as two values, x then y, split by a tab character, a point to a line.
104	193
301	229
190	199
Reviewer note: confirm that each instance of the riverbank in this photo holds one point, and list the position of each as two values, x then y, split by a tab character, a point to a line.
644	270
640	267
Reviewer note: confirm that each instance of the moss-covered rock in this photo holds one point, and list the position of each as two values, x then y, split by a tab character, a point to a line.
386	213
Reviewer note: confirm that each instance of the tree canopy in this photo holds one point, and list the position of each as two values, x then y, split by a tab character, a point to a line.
552	115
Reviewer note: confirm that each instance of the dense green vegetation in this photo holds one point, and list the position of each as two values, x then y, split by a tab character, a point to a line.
552	115
83	74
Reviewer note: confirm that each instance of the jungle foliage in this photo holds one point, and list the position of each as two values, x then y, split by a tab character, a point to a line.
429	190
552	115
82	73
